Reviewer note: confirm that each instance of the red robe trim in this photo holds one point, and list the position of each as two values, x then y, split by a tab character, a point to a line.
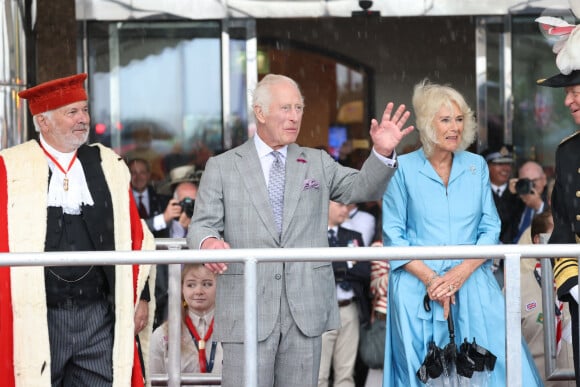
6	334
140	238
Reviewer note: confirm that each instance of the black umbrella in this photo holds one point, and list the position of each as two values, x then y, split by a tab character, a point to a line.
432	366
483	362
450	367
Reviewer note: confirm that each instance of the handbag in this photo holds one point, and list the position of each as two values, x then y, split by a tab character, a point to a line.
371	347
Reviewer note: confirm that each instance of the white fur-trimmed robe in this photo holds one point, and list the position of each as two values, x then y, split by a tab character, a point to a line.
27	182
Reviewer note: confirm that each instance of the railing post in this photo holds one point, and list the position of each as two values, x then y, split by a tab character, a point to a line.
174	308
513	320
547	284
251	323
578	262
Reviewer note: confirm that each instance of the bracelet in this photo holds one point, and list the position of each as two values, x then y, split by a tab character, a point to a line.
430	282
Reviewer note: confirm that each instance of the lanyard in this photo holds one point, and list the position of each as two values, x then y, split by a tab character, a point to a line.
204	365
538	276
558	305
65	181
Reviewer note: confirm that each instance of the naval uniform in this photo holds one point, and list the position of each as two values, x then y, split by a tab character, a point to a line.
566	213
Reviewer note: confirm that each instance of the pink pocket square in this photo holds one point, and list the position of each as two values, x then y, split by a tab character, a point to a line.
311	183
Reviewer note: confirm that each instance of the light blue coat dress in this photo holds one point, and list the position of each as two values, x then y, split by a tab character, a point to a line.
418	210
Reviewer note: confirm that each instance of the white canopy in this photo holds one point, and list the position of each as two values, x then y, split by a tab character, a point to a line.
221	9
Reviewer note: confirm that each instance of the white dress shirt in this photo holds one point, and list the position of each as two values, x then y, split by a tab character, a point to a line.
78	192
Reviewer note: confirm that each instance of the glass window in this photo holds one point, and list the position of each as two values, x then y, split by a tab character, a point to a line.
156	91
541	120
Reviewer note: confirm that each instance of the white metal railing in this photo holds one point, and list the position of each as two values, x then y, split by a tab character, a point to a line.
511	253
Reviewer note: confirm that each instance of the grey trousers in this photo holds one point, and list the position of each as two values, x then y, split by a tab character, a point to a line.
81	344
287	358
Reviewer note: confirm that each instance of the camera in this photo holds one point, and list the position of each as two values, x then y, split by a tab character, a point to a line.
524	186
187	205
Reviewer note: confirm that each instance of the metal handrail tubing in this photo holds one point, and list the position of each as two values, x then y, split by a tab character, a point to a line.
87	258
250	257
187	379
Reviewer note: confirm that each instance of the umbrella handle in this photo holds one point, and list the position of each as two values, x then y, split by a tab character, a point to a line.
450	325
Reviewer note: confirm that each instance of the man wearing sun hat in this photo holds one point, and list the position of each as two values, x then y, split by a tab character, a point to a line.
566	193
68	325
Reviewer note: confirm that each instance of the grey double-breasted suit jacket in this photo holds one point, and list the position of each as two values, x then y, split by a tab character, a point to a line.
232	202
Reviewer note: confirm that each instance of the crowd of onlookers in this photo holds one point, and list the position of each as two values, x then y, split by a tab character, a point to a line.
105	325
522	202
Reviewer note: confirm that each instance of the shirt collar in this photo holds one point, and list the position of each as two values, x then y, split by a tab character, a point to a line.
501	188
196	317
61	157
335	229
144	195
264	149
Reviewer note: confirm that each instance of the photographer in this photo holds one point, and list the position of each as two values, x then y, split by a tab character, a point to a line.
182	187
530	186
184	195
154	207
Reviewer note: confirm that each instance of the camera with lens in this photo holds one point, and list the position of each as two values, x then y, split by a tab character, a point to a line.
524	186
187	205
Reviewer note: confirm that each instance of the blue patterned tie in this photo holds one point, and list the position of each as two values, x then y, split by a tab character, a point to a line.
332	241
524	223
276	189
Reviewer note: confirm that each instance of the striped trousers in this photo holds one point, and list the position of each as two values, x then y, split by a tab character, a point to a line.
81	344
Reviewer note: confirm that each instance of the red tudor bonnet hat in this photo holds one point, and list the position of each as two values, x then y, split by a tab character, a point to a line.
56	93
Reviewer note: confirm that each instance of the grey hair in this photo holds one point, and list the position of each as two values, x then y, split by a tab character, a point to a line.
428	98
262	97
47	115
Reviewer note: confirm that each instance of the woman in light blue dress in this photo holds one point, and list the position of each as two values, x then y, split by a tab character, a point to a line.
439	196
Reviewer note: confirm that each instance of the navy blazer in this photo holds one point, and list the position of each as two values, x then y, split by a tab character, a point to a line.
510	208
157	205
359	276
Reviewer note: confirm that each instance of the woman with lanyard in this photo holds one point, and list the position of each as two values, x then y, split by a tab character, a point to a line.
199	353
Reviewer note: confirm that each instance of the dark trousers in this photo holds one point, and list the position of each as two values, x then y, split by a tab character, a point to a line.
574	315
81	344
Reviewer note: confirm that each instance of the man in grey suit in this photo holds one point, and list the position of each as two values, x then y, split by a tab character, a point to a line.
236	207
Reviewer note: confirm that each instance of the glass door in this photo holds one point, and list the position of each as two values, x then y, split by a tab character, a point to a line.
173	93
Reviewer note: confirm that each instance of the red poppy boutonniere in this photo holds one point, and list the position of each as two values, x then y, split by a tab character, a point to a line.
303	161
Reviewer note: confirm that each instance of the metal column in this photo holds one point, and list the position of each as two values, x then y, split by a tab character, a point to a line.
13	124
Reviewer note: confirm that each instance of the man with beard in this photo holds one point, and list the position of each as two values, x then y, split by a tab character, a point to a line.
69	325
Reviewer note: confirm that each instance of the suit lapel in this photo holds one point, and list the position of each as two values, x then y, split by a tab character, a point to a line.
250	170
295	175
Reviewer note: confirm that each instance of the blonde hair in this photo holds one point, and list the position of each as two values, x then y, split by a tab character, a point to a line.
428	98
184	270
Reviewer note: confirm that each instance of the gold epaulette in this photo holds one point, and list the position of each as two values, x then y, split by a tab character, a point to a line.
569	137
565	269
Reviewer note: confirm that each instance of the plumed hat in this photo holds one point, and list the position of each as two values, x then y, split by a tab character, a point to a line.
56	93
567	49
